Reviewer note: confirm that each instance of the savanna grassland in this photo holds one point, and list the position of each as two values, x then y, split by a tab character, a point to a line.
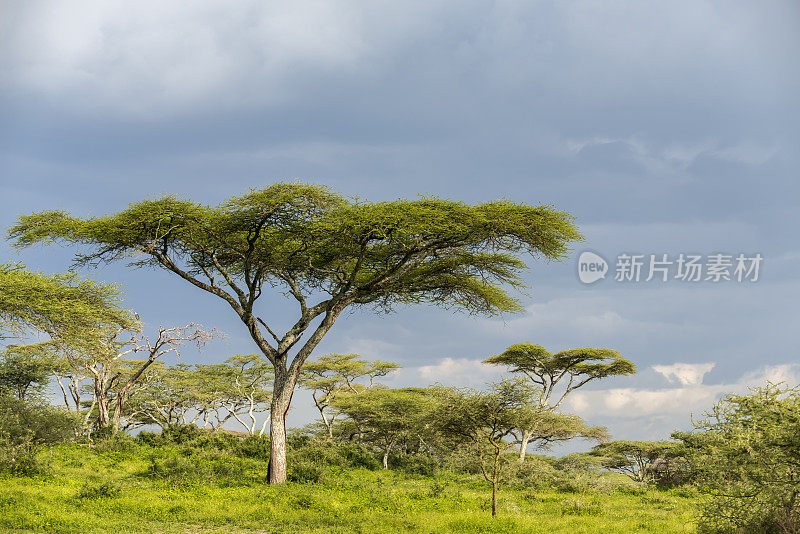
144	488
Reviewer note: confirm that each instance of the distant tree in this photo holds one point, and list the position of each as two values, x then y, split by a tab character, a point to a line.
25	426
746	454
26	369
554	376
333	375
209	393
247	389
382	417
639	460
170	397
480	424
316	244
113	377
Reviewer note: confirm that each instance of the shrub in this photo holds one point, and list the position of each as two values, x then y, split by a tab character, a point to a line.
26	426
418	464
119	442
188	466
534	472
98	489
305	472
253	447
745	454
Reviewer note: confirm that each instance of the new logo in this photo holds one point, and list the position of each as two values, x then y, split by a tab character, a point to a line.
591	267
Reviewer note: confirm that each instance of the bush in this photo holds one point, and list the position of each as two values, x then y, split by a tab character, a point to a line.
119	442
417	464
98	489
256	447
535	472
26	426
187	466
746	456
305	472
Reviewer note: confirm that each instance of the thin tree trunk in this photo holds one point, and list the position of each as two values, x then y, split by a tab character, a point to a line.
495	477
64	391
494	498
386	454
523	447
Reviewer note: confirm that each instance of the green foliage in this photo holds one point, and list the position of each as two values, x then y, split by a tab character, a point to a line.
642	461
120	497
190	466
576	367
26	426
26	369
448	252
95	489
335	375
309	241
60	305
385	417
747	455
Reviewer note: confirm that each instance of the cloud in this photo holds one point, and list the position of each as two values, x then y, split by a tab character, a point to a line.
153	56
688	374
675	403
459	371
150	57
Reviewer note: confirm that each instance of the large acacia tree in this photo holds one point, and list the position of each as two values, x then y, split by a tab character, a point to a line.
326	251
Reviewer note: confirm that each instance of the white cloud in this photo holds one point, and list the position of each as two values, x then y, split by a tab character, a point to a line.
163	54
692	397
459	371
688	374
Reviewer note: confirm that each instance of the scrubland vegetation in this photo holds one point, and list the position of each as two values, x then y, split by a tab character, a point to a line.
197	481
432	459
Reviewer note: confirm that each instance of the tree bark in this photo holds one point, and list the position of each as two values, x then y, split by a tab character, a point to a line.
494	498
523	447
281	399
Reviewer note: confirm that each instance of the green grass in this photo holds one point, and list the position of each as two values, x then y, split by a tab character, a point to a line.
87	491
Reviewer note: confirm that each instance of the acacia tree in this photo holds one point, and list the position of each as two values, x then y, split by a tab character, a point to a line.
482	423
382	417
746	453
212	394
60	305
26	369
247	390
112	376
638	460
332	375
554	376
168	397
327	252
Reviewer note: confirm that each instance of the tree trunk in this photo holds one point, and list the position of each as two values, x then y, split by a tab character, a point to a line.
495	479
279	408
523	447
494	497
102	406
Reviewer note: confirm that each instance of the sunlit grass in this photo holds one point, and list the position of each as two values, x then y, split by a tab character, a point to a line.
109	492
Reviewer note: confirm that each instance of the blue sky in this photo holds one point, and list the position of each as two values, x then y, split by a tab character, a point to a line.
665	129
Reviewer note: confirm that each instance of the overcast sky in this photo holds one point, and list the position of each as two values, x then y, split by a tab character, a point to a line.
665	128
